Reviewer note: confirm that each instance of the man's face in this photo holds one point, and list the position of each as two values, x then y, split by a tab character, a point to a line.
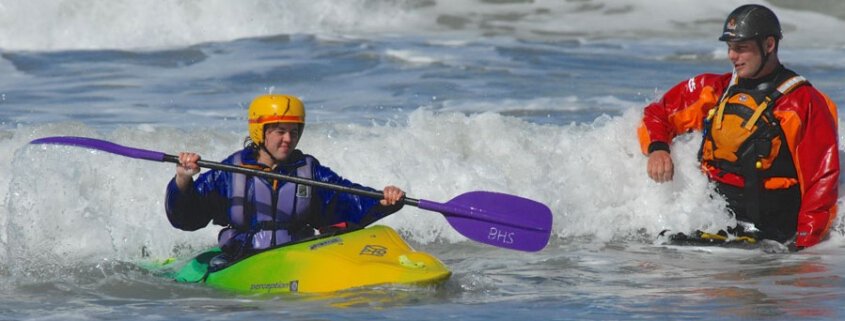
745	56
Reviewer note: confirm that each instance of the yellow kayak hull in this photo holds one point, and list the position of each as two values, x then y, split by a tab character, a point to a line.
375	255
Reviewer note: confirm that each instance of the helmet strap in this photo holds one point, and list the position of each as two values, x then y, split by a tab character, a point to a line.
763	54
272	158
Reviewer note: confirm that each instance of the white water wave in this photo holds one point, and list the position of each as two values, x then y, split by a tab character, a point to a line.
130	24
69	204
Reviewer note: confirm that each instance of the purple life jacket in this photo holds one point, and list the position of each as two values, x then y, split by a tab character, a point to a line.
267	226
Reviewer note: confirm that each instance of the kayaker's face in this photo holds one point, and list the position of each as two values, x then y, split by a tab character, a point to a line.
280	139
745	57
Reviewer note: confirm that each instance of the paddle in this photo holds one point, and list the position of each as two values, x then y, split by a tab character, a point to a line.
497	219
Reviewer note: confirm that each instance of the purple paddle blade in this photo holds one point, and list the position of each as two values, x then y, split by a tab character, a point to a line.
498	219
101	145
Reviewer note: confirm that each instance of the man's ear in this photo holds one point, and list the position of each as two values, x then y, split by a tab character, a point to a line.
771	45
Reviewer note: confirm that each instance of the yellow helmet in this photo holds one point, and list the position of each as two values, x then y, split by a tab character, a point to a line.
268	109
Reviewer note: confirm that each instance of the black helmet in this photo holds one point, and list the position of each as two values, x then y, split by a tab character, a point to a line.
751	21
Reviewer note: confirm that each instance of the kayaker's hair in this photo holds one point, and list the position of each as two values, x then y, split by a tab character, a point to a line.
248	143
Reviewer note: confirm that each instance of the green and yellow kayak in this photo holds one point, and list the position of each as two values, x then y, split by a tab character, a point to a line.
365	257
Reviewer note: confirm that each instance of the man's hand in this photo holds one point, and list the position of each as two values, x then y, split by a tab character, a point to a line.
660	167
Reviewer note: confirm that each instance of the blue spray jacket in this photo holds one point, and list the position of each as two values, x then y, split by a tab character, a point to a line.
255	213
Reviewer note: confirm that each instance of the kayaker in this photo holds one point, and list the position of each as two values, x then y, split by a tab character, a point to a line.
769	137
259	213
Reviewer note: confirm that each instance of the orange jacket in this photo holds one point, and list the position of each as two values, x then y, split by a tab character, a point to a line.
808	119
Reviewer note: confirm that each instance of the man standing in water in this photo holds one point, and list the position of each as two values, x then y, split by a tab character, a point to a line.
769	137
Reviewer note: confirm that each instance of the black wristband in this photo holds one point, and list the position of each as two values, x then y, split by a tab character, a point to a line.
658	146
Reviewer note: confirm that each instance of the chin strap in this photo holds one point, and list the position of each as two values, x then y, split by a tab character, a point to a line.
275	161
765	55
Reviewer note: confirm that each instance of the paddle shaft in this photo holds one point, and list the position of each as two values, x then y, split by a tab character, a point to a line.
445	209
293	179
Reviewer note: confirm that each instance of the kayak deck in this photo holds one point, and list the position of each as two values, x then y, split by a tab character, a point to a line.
366	257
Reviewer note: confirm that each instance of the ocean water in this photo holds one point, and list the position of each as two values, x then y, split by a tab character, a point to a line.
534	98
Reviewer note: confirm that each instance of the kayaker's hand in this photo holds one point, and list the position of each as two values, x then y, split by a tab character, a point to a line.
660	167
186	169
392	194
